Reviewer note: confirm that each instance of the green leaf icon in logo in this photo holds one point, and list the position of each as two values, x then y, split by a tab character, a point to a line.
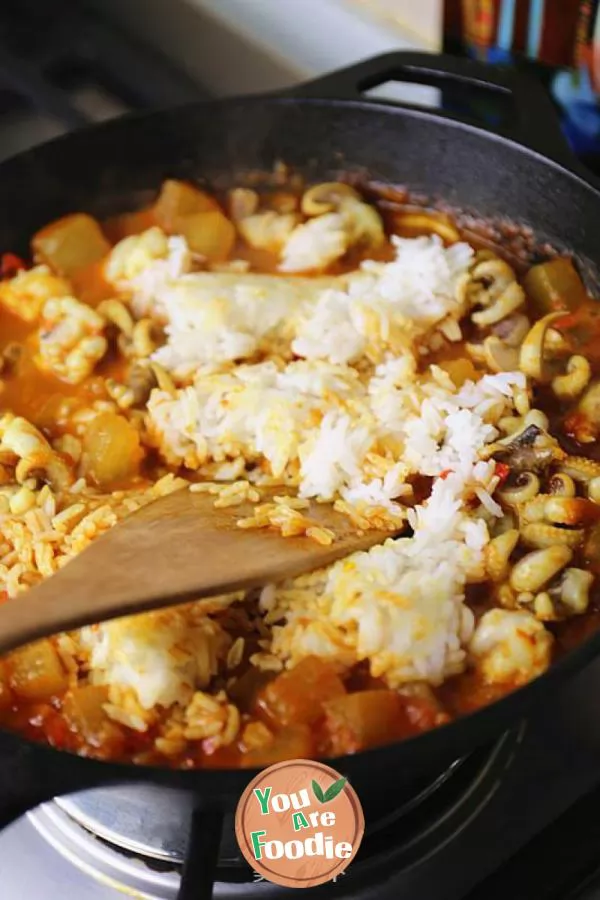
334	789
318	791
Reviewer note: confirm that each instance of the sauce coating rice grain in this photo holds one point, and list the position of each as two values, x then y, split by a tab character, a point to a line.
357	351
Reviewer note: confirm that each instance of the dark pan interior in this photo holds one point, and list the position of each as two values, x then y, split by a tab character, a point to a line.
119	166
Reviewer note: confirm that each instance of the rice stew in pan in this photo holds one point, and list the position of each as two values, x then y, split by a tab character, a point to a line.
343	344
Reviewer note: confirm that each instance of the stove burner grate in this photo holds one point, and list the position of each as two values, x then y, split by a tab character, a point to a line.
108	834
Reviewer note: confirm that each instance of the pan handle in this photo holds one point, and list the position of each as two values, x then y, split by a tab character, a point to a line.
536	122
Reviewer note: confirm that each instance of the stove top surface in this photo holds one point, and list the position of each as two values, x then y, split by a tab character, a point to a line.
515	819
401	830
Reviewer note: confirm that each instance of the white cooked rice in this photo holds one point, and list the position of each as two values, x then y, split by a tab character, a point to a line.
331	398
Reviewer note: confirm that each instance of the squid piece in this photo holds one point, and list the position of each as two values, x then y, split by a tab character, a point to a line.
117	313
26	293
339	220
538	359
33	455
541	535
327	197
583	423
534	570
136	340
510	646
574	381
591	549
497	554
493	286
134	254
548	520
575	589
71	339
580	469
135	391
532	361
525	486
363	223
411	224
569	597
585	472
512	331
315	245
529	450
561	485
500	350
267	230
499	356
566	511
141	381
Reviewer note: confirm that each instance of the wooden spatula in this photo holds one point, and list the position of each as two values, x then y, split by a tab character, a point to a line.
175	549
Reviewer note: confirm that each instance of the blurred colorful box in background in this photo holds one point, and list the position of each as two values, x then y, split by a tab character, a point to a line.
559	39
419	21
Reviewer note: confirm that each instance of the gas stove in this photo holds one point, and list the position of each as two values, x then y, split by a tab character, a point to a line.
516	818
62	67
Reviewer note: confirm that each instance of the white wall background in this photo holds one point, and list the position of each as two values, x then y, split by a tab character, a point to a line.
245	46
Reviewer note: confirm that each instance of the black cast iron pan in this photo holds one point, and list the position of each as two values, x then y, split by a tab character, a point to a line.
521	171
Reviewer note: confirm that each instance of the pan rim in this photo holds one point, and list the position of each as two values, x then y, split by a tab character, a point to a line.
480	719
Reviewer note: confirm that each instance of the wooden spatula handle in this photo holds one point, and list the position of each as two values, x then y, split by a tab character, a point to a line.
171	551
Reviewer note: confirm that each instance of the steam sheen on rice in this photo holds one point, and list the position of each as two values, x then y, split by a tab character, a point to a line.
322	384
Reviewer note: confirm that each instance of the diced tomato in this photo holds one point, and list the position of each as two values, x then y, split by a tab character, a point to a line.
10	264
582	330
502	471
6	696
566	321
578	427
445	473
58	732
